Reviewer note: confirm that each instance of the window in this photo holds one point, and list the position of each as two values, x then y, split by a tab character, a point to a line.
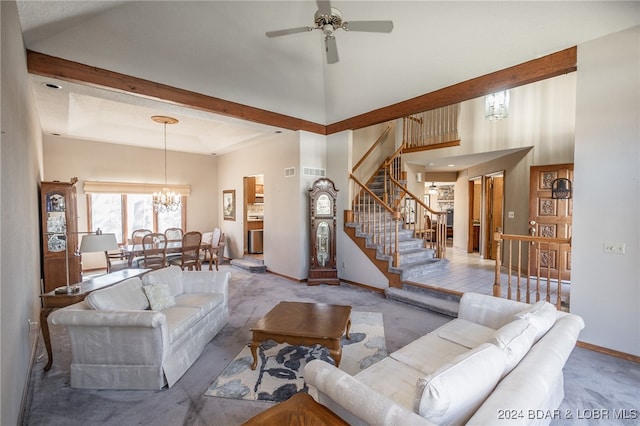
121	214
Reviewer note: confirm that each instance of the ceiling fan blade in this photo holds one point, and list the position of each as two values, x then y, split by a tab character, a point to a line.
288	31
324	7
331	47
369	26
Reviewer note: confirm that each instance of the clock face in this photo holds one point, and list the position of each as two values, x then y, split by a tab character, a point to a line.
323	205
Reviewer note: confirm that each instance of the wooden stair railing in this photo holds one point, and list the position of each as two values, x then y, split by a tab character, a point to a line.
375	217
545	250
426	223
431	129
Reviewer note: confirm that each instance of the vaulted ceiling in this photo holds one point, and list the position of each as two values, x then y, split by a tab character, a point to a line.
218	50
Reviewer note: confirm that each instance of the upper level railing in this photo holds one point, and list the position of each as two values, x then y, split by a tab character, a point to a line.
431	128
533	268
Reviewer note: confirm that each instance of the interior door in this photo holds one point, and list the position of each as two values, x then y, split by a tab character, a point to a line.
494	201
550	218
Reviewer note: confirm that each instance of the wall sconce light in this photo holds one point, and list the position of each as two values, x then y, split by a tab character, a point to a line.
497	105
561	189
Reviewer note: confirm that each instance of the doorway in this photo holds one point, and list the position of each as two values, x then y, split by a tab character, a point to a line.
475	214
493	212
253	215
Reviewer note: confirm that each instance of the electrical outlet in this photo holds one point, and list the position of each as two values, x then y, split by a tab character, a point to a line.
614	248
512	215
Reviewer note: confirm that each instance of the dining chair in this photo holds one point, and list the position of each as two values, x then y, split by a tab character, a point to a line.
154	248
216	252
190	255
137	234
116	261
174	235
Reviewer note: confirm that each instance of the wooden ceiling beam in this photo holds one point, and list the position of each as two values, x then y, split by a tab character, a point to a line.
51	66
555	64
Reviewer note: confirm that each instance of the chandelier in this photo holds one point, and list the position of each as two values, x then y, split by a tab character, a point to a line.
165	200
497	105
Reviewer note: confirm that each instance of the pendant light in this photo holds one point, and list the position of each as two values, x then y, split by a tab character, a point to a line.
166	200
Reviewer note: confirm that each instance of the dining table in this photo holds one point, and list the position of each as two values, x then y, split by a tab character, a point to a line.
131	251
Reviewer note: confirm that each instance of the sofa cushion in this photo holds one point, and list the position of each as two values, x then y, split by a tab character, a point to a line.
206	302
159	296
542	315
180	320
171	276
514	339
124	296
431	351
392	379
452	393
465	333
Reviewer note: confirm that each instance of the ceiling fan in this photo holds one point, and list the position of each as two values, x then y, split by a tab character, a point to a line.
329	19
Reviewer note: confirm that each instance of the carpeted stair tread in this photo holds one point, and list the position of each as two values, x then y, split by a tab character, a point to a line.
445	306
250	265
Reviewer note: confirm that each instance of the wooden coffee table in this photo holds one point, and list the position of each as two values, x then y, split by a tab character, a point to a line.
306	324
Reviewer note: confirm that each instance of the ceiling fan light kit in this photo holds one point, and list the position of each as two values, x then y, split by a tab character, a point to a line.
329	19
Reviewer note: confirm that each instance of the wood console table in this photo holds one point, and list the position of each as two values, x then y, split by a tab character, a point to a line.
52	301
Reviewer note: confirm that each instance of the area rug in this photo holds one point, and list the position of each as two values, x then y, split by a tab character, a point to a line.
280	366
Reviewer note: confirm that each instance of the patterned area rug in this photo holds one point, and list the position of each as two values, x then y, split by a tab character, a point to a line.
280	366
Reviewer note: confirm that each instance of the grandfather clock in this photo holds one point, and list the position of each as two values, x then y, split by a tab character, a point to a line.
322	212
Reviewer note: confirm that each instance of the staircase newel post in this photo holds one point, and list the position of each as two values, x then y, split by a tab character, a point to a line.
396	252
497	292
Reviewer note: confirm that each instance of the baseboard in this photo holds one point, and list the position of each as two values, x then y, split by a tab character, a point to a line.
33	337
610	352
365	286
285	276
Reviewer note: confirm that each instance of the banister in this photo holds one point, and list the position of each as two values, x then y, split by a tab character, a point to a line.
368	191
376	143
540	247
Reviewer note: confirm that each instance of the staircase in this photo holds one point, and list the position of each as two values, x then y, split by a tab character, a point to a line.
413	258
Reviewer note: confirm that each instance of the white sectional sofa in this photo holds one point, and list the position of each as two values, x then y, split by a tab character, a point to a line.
144	333
499	362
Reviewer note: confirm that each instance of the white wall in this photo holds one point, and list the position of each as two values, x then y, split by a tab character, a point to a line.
285	224
353	264
95	161
21	170
606	290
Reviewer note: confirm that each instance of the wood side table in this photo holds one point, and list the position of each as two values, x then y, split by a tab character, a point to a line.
52	300
299	410
299	323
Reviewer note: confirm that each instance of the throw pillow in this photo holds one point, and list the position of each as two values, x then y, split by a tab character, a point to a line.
542	315
172	276
514	339
452	393
124	296
159	296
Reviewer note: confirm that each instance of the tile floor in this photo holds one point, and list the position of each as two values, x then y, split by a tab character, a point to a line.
465	272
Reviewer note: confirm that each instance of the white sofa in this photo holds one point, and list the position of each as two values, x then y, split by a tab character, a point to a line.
144	333
499	362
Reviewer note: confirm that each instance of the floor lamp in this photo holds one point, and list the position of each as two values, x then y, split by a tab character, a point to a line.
91	242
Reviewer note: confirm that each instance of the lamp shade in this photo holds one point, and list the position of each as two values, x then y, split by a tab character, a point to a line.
98	242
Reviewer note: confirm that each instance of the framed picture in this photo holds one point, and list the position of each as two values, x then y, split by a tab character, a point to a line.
229	204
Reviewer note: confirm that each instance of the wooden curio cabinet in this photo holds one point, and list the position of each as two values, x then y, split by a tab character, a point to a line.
322	211
59	234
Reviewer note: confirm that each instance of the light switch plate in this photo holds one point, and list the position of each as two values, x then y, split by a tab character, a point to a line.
614	248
